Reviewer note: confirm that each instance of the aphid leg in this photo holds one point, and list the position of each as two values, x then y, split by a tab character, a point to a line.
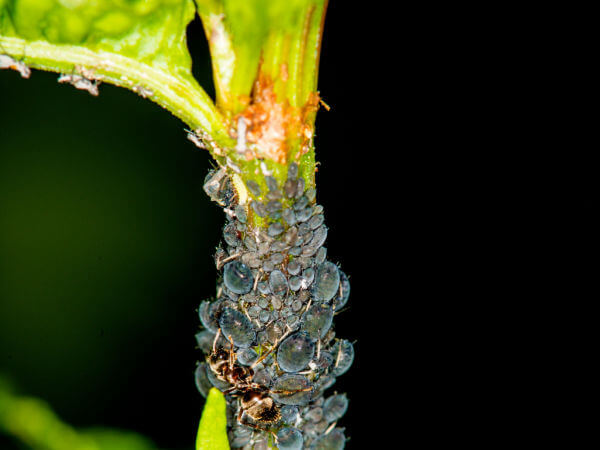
268	352
286	391
226	260
339	355
331	427
216	339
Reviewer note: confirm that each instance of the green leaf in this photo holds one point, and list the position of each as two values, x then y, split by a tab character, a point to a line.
32	421
137	44
212	432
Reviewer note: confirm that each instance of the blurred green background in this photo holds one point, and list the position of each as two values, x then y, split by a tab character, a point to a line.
106	244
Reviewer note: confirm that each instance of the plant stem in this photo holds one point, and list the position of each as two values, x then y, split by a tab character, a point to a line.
182	96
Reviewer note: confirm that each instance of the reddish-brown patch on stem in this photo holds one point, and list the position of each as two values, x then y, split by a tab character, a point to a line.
273	125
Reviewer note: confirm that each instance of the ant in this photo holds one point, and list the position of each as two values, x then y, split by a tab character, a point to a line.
255	399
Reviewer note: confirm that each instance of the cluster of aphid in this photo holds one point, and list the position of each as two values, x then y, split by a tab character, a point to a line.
81	78
268	335
7	62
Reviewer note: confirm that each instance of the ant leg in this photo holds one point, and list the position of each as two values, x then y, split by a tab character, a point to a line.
231	352
230	390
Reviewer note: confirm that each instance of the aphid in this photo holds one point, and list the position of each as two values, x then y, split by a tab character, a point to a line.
7	62
292	389
343	356
340	300
292	171
304	214
238	277
321	255
289	216
217	186
314	415
314	429
239	437
334	440
202	382
254	311
279	246
295	352
258	208
271	183
268	266
275	229
316	221
230	234
240	213
274	195
276	302
264	288
273	207
300	187
247	356
80	82
289	439
144	92
289	414
301	203
308	276
327	281
295	283
209	313
253	187
335	407
264	316
319	237
277	258
293	268
236	325
290	187
317	320
278	282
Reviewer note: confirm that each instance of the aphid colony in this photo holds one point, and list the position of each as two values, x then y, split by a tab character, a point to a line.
7	62
268	336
